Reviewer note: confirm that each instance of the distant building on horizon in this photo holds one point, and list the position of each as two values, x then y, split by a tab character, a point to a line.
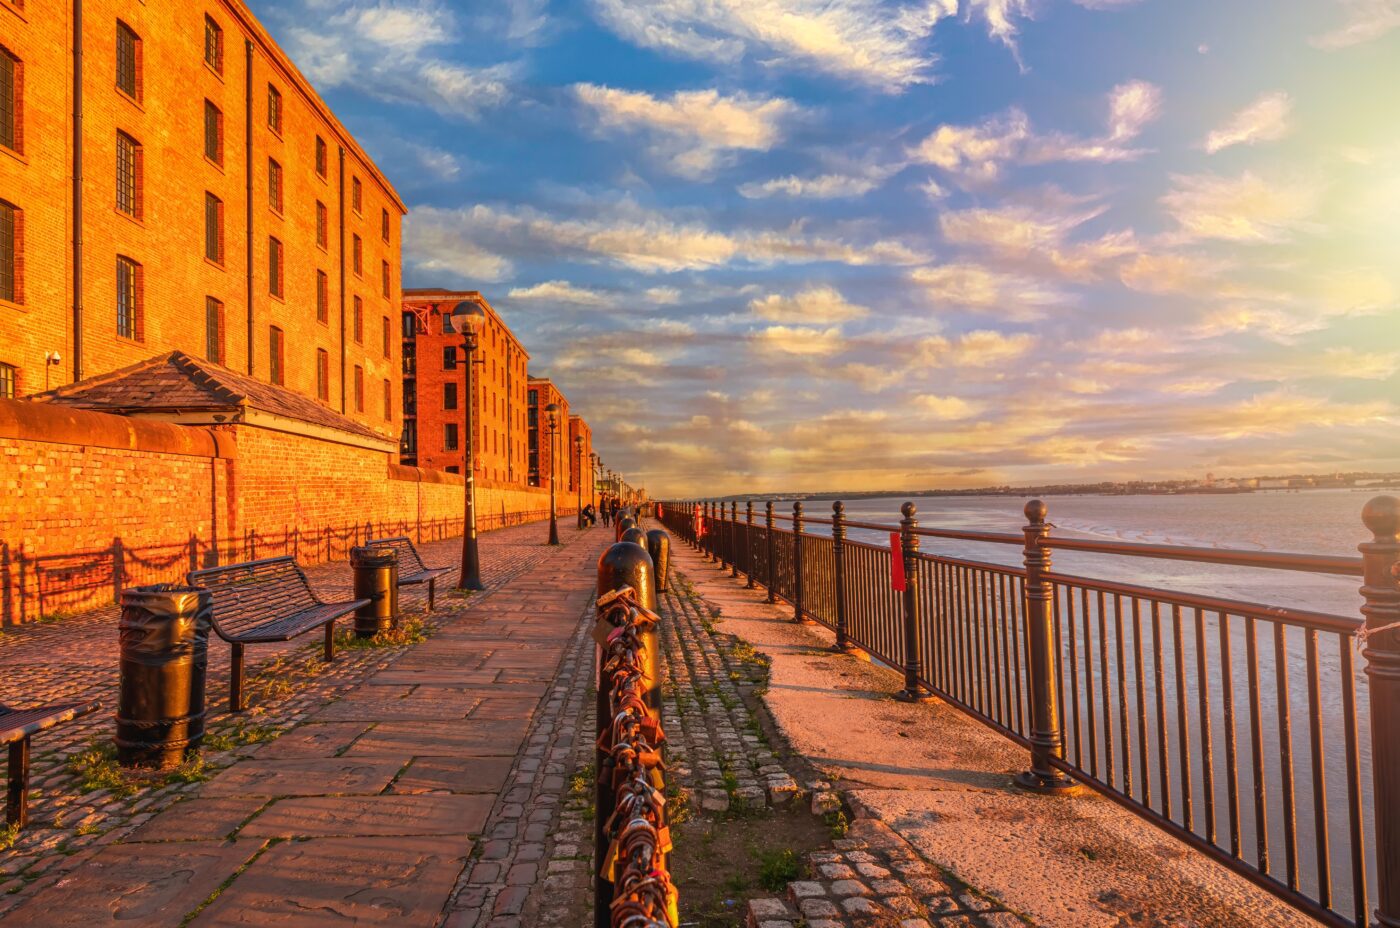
222	211
434	390
543	460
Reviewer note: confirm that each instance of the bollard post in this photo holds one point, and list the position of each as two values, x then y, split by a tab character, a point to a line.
799	612
909	551
721	536
659	547
748	545
623	564
1040	661
772	552
734	539
838	553
1380	558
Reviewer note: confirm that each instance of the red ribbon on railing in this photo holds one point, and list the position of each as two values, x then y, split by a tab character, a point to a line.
896	563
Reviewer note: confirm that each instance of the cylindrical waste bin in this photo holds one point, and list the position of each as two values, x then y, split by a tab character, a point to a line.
377	580
659	547
164	634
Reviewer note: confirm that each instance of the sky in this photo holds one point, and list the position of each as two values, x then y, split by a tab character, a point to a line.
807	245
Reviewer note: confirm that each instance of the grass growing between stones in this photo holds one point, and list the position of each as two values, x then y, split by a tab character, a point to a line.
8	835
96	768
720	863
410	630
239	735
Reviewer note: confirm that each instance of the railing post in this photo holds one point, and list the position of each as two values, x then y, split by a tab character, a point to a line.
798	613
748	544
1040	660
772	552
1380	559
909	552
838	554
734	539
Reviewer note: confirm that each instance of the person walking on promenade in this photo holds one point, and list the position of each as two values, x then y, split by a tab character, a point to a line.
607	513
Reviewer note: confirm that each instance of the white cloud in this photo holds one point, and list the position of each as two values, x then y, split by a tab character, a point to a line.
389	52
693	131
820	187
1001	16
799	340
1264	120
978	152
484	239
978	348
975	286
813	306
560	291
1366	21
866	41
663	296
944	407
1247	208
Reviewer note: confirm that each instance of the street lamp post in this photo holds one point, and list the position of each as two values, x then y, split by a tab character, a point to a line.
552	421
578	490
468	318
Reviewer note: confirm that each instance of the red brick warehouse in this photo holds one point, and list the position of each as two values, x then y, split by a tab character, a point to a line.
435	384
223	210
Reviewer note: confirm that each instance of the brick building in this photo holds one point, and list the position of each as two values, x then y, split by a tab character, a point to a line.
542	460
434	386
222	210
580	459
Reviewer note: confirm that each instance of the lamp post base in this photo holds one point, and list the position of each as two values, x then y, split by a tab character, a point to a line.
1053	784
914	696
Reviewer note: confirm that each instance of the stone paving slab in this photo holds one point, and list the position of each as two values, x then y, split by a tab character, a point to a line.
199	819
136	885
486	738
325	816
306	776
454	774
360	881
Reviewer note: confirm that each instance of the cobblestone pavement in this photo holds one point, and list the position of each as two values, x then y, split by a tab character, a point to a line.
388	765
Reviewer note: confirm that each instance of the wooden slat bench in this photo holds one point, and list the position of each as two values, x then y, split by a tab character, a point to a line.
17	726
411	567
265	601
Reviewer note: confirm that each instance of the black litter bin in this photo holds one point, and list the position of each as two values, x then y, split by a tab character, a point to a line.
164	633
377	580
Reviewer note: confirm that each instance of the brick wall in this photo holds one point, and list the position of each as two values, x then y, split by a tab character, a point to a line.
94	502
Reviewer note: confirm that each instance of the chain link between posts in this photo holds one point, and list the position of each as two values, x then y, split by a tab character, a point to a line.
635	863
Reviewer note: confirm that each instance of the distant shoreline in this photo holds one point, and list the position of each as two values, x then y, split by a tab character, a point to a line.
1093	490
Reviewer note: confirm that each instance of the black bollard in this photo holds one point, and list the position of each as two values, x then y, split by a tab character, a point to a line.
164	634
623	564
636	536
376	573
659	547
623	524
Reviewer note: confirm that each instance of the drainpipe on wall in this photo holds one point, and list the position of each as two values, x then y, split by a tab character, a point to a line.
77	190
248	182
340	211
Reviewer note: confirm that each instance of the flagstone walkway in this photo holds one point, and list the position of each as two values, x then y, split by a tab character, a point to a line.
370	806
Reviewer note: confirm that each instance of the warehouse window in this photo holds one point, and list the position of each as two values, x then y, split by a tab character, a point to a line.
449	396
9	381
322	224
213	133
386	337
274	267
323	297
213	228
128	61
323	375
322	157
213	45
130	323
214	330
276	366
274	185
388	401
274	109
11	253
128	175
384	224
449	436
359	388
357	195
384	281
357	256
11	101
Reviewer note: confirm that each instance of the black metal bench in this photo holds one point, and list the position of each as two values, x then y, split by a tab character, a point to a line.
17	726
411	567
265	601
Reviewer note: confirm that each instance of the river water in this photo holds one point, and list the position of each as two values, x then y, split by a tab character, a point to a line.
1309	522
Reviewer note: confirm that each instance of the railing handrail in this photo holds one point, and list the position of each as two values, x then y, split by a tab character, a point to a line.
1226	557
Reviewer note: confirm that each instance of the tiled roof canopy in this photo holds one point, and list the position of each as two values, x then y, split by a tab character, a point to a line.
177	383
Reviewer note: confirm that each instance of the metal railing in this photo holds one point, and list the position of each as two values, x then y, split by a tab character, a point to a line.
1235	726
